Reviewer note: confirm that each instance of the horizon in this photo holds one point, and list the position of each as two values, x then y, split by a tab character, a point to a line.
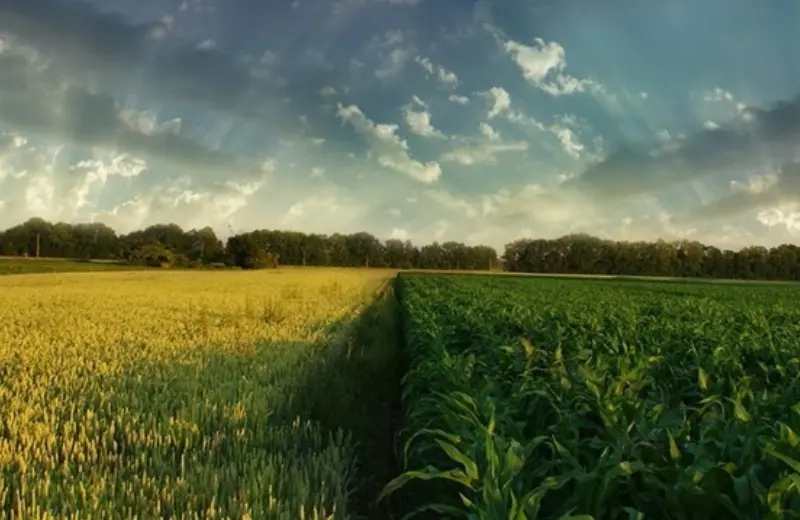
500	251
480	122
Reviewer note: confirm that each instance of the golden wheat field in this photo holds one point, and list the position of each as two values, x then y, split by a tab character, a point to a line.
175	394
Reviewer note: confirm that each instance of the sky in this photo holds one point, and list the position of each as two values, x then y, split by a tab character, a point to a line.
430	120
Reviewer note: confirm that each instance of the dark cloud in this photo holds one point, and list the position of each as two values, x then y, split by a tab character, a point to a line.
77	38
754	139
34	101
56	26
782	189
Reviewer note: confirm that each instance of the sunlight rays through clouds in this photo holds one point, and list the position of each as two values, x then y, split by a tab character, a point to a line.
498	119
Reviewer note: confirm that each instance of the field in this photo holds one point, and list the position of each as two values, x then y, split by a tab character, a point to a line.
552	398
17	265
188	395
278	394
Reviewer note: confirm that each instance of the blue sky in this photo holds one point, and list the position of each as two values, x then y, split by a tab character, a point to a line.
478	121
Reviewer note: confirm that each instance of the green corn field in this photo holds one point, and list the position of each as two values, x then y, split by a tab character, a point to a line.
557	399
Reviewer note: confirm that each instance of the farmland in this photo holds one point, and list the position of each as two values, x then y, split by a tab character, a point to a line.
548	398
17	265
277	394
188	395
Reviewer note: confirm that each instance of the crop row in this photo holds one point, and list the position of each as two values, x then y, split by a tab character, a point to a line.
555	399
180	395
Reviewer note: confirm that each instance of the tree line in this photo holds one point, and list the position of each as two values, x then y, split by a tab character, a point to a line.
585	254
169	244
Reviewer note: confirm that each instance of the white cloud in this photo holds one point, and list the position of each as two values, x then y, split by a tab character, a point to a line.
36	181
147	123
445	77
207	45
393	63
489	132
419	121
719	94
710	125
569	141
399	234
543	66
500	106
328	91
482	154
161	29
788	217
500	101
756	184
181	204
394	212
461	100
392	151
448	77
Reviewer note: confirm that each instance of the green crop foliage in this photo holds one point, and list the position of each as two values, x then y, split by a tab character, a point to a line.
557	399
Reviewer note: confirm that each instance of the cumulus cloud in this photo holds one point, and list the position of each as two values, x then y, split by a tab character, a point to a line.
569	141
400	234
418	119
392	151
543	66
563	129
446	78
490	133
500	102
182	204
500	106
742	144
37	180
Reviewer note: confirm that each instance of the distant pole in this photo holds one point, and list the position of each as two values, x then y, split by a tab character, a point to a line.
37	244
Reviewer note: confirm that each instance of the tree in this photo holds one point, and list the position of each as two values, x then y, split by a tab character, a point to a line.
248	253
153	255
578	253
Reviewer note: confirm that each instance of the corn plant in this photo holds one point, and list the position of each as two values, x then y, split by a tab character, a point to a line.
537	398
